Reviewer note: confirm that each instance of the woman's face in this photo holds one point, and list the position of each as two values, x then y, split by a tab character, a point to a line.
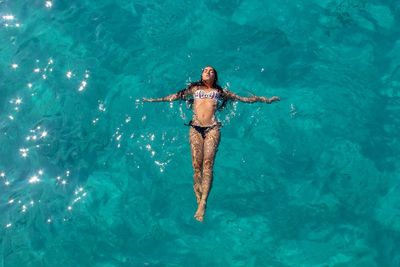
208	75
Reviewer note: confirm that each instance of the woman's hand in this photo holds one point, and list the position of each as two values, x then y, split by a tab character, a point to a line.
273	99
269	100
147	99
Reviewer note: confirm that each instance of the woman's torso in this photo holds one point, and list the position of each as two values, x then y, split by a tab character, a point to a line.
205	105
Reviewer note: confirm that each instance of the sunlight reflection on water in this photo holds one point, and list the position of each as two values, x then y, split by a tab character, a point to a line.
83	162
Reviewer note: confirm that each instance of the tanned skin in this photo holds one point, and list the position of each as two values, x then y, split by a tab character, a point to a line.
204	146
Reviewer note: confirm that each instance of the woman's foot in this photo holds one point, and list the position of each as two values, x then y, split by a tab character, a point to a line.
201	209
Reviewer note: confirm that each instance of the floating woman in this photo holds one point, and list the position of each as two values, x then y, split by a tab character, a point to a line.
204	133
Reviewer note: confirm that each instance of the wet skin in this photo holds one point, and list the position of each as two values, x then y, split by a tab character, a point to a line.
204	146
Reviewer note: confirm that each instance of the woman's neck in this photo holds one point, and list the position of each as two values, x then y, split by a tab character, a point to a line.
208	85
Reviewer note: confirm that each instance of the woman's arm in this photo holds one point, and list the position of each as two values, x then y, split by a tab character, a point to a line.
252	99
179	95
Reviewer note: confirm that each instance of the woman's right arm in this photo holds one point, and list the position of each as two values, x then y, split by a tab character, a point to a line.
177	96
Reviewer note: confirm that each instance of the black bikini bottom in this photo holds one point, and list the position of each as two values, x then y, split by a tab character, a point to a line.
203	130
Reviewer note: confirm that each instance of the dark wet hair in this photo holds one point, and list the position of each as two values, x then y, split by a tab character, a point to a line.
183	93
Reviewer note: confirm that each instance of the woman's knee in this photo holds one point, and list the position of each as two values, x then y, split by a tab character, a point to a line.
197	167
208	166
197	173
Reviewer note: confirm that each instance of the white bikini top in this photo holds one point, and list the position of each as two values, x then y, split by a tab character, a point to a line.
201	94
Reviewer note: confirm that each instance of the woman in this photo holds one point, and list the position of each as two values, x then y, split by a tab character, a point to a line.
204	133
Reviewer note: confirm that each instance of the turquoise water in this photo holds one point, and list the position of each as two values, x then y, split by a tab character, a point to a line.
89	176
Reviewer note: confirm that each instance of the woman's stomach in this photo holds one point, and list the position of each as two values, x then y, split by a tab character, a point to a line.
204	114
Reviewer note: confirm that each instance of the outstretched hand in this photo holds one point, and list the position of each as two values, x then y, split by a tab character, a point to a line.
273	99
269	100
144	99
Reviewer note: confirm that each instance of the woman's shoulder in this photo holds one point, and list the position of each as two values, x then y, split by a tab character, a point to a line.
193	87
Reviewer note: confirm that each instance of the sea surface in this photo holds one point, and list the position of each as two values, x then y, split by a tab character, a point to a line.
91	176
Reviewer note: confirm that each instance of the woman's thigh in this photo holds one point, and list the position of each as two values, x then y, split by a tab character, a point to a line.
211	142
196	147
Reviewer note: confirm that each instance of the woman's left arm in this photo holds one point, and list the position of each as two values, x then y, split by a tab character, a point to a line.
252	99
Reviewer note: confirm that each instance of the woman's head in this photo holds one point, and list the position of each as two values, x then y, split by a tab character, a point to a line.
209	76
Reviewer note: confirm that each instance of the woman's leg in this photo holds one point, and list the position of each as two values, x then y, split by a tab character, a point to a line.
196	147
211	142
